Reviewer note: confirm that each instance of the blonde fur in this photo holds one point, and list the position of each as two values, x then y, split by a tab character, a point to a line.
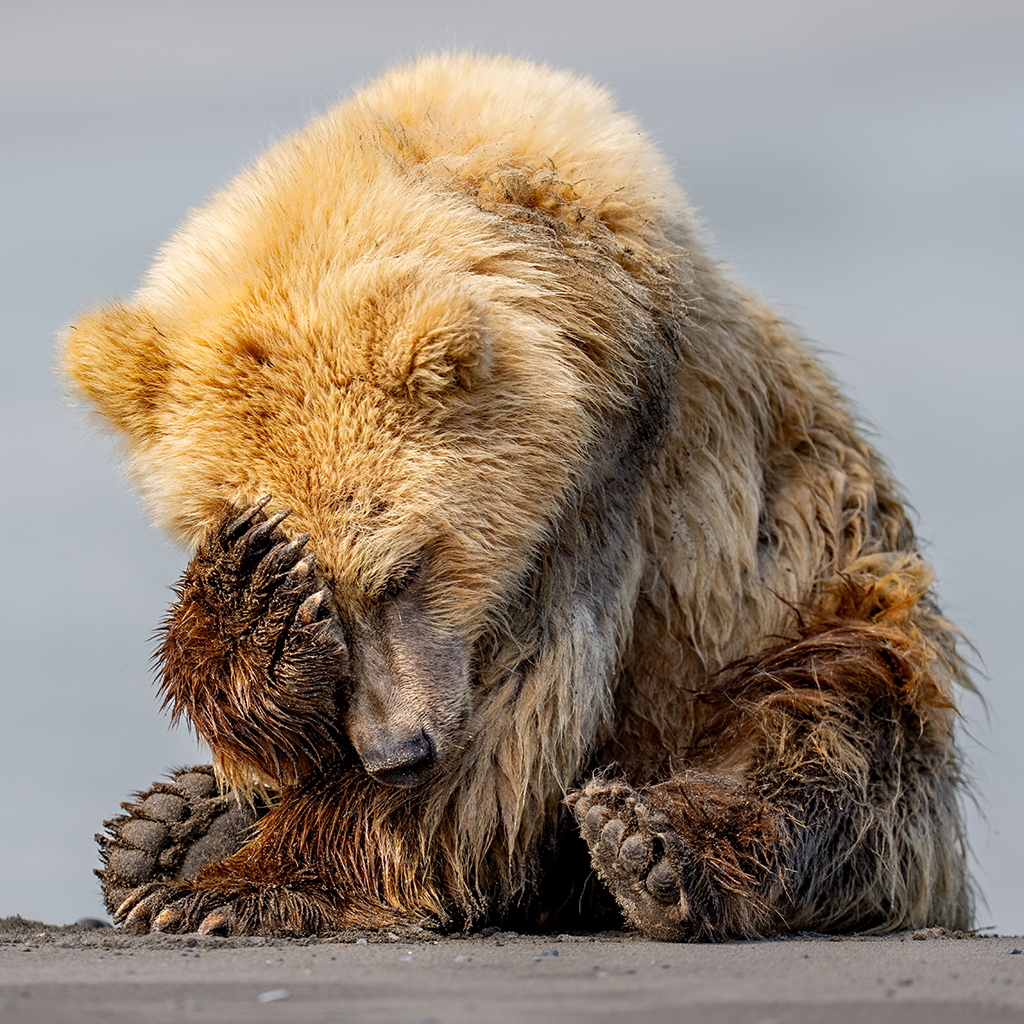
468	311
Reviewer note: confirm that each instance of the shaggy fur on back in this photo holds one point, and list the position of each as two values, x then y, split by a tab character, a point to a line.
598	571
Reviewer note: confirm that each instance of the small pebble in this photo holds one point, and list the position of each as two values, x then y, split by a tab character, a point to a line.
362	942
1010	951
463	959
273	995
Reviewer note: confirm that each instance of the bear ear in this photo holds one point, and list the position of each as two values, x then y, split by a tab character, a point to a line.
431	340
115	358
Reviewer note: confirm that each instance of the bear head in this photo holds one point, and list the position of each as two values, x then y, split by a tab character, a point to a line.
409	407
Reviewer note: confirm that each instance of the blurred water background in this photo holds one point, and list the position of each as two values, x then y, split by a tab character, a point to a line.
861	164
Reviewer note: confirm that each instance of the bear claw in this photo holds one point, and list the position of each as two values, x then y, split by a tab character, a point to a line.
218	922
238	525
264	530
310	607
177	909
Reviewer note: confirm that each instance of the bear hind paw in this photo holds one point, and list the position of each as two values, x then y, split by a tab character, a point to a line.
169	832
648	867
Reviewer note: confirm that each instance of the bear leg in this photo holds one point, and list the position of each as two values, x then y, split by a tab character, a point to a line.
315	863
822	791
170	832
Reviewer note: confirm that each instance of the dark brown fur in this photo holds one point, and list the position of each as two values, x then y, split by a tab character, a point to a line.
252	651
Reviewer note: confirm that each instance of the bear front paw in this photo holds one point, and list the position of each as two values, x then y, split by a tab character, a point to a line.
638	855
266	597
253	651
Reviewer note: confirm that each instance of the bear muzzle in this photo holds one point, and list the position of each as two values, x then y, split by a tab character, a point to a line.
408	697
403	758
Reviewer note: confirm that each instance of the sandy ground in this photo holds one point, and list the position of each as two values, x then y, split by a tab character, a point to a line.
53	974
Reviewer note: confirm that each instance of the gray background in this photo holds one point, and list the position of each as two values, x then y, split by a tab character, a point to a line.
860	163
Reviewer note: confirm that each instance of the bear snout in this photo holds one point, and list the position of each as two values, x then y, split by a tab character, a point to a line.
401	759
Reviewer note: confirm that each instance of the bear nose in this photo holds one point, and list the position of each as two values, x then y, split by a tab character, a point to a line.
400	760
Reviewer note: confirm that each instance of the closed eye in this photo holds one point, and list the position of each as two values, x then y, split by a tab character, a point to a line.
401	578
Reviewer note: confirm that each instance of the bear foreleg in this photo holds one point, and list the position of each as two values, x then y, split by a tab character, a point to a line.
822	795
331	853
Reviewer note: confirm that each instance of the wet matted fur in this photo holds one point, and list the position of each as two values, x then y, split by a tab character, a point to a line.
529	547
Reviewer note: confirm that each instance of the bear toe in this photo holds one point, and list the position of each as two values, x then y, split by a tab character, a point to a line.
663	882
635	854
594	821
611	836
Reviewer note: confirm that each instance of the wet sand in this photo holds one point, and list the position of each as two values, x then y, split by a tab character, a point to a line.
54	974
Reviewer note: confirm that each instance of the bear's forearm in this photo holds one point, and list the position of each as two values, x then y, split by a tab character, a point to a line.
315	863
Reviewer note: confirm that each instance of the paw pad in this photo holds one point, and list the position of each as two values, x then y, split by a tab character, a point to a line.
169	833
637	854
663	882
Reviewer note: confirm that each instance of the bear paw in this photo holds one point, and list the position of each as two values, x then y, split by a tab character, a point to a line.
253	651
649	868
170	832
266	597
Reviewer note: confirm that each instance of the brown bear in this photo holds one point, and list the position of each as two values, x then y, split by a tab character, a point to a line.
539	568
